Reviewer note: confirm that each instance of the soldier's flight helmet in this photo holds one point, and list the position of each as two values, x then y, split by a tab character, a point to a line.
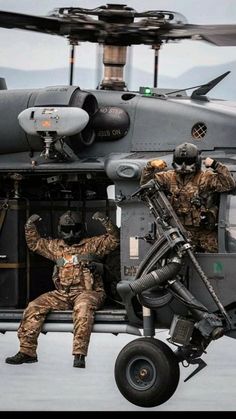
186	159
70	227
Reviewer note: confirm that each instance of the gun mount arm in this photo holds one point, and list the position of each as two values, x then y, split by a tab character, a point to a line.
177	242
166	218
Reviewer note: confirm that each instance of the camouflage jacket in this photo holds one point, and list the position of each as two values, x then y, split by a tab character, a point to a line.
189	194
71	268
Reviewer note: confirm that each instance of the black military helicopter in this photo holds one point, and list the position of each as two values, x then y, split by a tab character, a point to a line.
63	147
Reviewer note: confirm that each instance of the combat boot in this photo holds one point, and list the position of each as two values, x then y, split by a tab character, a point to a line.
21	358
79	361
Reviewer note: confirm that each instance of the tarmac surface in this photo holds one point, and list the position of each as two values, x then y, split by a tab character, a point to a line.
53	384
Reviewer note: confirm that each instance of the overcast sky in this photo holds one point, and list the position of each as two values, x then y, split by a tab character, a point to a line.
28	50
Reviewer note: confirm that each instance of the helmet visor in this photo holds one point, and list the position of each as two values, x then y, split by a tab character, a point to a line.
73	227
187	160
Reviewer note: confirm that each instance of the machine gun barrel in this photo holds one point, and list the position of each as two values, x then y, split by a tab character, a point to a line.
161	207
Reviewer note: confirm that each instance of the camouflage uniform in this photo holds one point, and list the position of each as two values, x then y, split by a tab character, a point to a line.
77	287
185	191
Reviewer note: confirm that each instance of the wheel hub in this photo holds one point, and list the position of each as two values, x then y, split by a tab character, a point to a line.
141	373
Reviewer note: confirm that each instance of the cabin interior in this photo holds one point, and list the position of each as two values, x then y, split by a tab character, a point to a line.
24	274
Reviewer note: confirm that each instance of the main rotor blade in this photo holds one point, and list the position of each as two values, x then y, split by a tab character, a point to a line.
149	31
85	29
11	20
221	35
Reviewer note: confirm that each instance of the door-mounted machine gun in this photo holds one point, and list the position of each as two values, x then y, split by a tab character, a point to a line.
161	269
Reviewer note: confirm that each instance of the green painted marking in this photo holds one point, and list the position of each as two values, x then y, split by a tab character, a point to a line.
217	267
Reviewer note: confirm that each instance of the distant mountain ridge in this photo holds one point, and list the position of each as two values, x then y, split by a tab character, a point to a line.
87	79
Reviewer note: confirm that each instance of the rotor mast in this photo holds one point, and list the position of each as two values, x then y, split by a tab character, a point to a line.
114	60
114	56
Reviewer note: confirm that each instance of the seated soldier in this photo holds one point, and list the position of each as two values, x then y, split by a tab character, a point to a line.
78	286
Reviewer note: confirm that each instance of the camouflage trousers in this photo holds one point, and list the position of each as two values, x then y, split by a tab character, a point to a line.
83	303
203	240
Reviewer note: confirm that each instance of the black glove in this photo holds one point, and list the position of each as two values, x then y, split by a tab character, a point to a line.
34	218
209	162
214	164
107	223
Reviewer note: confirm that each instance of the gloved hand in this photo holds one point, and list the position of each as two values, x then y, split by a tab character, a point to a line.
158	164
107	223
208	162
99	216
32	220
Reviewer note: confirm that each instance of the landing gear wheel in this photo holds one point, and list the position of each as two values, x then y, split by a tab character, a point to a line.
147	372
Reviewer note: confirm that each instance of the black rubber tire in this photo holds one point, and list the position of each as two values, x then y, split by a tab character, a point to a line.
159	366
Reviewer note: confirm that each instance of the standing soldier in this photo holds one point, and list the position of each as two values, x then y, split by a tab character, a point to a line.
78	283
192	192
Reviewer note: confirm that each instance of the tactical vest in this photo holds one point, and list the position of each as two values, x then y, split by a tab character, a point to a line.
91	261
194	208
